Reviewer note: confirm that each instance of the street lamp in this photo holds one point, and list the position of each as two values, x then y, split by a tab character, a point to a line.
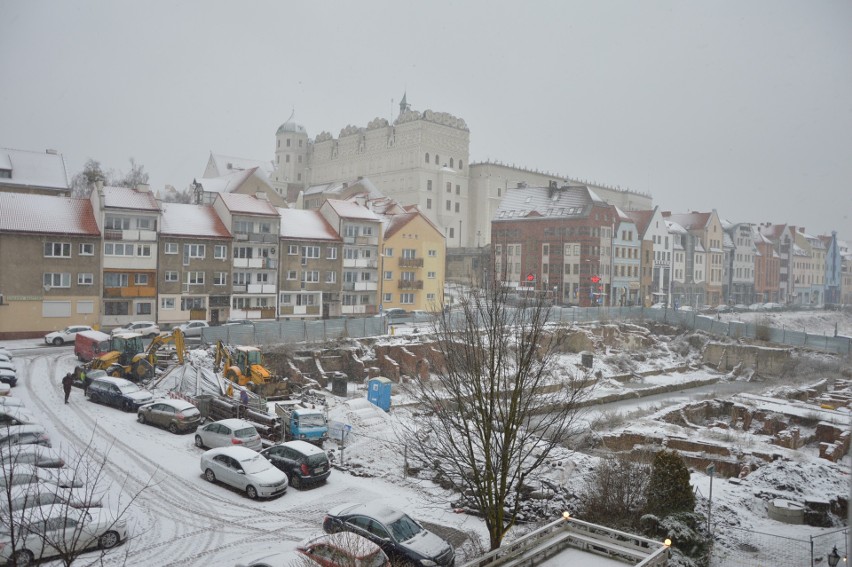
833	557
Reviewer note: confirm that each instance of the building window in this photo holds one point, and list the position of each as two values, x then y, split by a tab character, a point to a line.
167	303
85	279
118	249
388	275
433	253
195	278
409	253
220	278
220	251
461	166
406	298
143	308
449	205
112	279
117	223
452	232
388	297
331	277
389	252
451	162
242	227
87	249
116	307
287	158
140	279
365	300
57	249
171	276
428	203
190	303
291	275
437	159
449	187
171	248
428	184
288	142
430	275
286	299
457	207
310	251
365	276
57	279
458	189
427	157
293	250
310	276
430	297
331	253
264	228
143	250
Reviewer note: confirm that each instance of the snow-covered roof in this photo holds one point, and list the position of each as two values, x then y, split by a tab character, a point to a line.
305	225
34	169
352	210
46	214
127	198
567	201
225	165
247	204
225	183
689	221
192	220
341	187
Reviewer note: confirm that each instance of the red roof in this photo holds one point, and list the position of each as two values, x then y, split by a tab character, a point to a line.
127	198
642	219
46	214
192	220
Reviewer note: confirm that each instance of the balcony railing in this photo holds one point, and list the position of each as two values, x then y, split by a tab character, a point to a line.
411	262
409	284
132	291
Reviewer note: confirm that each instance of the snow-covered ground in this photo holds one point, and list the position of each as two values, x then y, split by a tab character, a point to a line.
180	519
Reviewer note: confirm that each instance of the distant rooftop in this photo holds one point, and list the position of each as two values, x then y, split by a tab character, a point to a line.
24	168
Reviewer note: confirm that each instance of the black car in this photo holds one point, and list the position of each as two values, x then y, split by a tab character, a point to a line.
118	392
8	376
401	537
304	463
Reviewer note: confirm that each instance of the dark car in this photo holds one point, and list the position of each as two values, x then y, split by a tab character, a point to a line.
8	376
401	537
118	392
304	463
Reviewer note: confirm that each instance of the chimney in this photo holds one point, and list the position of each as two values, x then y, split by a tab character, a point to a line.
51	152
261	195
143	187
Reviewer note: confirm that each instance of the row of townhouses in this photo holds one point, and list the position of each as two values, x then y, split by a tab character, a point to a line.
563	239
122	255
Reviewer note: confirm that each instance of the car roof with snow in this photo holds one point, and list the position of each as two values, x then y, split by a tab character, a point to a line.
375	510
235	451
234	423
303	447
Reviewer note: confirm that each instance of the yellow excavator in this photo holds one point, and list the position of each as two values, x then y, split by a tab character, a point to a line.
125	358
242	365
175	336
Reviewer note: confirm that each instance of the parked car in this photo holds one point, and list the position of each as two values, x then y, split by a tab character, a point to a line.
66	335
24	435
193	328
41	526
344	549
773	306
8	365
276	559
13	475
245	470
5	389
15	415
304	463
238	322
175	415
739	308
399	536
118	392
5	352
396	313
24	496
686	308
8	377
228	432
36	455
5	357
146	328
9	401
722	308
756	307
90	344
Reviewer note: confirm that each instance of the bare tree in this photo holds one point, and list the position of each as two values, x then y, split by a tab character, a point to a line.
497	404
59	512
132	178
82	182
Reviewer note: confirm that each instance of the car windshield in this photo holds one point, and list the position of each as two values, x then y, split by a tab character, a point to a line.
255	465
245	432
315	420
128	388
404	528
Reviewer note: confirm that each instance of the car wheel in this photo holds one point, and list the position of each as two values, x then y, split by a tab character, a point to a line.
198	442
57	341
126	407
173	428
140	418
295	481
209	475
109	540
251	492
152	335
22	558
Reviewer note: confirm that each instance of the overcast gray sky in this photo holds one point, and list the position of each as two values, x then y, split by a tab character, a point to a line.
745	107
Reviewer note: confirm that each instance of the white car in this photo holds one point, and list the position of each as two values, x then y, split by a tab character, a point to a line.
244	469
5	357
228	432
15	415
23	496
43	531
66	335
8	365
9	401
36	455
24	435
145	328
193	328
20	473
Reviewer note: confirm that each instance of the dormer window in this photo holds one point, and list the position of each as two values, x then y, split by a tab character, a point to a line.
5	174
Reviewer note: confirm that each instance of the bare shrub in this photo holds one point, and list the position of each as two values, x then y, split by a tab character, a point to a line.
615	493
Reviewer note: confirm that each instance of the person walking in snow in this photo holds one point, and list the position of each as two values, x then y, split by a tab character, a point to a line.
67	381
244	399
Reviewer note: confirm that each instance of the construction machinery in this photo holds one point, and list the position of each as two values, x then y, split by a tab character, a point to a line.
303	420
175	337
125	359
243	365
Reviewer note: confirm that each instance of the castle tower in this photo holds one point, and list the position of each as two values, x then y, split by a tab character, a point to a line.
291	159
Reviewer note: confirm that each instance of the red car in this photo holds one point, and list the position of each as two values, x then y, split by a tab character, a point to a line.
344	549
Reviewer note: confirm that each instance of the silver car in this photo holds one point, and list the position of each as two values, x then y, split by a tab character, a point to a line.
245	470
193	328
228	432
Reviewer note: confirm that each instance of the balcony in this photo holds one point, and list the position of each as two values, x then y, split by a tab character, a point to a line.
409	284
257	263
260	288
134	291
360	263
411	262
135	235
367	240
366	286
239	288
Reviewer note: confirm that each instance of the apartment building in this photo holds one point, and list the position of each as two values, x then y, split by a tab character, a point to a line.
656	264
767	269
310	266
255	226
50	264
704	255
555	240
413	261
738	286
626	258
129	219
42	173
194	252
361	230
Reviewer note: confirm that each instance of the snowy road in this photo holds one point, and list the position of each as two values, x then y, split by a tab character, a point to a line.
179	518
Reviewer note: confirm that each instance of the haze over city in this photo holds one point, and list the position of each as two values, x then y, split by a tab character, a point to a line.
741	107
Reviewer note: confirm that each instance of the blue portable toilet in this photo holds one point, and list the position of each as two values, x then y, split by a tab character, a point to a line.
379	392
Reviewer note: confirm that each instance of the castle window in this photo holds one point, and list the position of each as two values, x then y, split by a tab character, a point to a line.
460	165
451	162
437	159
427	157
